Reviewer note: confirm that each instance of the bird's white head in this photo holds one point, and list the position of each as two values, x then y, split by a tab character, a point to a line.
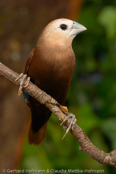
62	31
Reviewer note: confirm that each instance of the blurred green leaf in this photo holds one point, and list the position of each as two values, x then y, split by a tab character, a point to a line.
109	128
86	118
107	18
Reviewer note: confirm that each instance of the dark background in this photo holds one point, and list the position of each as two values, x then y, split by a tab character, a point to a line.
92	95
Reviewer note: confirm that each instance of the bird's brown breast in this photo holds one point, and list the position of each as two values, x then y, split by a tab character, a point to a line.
52	74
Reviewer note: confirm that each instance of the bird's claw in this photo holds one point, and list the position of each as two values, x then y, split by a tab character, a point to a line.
24	77
73	121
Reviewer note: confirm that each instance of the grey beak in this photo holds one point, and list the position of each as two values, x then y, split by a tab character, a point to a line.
76	29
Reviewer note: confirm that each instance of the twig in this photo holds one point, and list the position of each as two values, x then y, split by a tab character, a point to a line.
86	145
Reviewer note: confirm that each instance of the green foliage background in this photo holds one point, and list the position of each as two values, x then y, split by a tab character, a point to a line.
92	96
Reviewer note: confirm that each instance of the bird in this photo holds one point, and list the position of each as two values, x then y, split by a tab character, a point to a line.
50	66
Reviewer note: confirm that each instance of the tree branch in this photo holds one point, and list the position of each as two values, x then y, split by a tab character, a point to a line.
86	145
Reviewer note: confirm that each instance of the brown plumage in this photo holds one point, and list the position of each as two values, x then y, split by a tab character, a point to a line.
50	66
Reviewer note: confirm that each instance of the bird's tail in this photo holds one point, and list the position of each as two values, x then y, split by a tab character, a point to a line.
38	126
37	137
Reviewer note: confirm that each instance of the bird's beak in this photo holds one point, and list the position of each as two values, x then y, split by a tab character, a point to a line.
76	29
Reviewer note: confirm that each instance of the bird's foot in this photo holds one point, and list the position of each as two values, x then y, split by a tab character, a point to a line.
64	108
24	77
73	121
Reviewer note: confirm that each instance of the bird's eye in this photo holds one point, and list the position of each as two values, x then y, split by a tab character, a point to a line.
63	26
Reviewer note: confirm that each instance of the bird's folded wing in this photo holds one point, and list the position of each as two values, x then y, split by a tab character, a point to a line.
29	60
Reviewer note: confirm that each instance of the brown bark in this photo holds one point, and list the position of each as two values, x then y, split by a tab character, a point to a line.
85	143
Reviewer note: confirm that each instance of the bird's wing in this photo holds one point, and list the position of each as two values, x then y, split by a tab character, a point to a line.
27	66
29	60
40	114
